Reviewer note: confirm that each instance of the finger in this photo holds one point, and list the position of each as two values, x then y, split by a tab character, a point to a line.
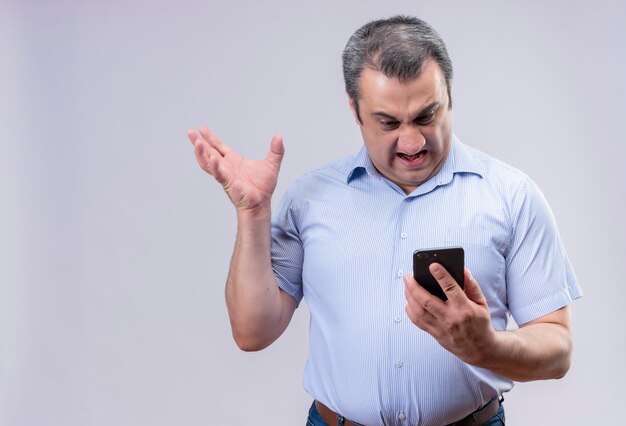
276	152
207	157
450	287
202	153
421	318
417	292
197	138
473	290
426	301
192	135
419	303
214	141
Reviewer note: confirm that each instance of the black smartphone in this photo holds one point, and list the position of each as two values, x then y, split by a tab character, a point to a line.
451	258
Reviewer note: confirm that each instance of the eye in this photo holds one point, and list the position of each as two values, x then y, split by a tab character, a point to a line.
426	118
389	124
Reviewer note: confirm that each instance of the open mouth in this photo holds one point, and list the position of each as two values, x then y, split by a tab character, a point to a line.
412	157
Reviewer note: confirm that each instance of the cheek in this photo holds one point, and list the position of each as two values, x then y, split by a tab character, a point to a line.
433	137
437	136
379	143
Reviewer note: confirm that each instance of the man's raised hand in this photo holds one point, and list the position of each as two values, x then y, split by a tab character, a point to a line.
248	183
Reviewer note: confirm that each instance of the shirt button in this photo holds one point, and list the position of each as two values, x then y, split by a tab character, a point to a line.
398	318
400	273
401	416
404	235
399	364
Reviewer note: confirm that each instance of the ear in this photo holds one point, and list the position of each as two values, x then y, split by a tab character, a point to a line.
353	109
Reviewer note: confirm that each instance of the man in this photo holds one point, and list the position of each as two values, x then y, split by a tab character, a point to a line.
383	350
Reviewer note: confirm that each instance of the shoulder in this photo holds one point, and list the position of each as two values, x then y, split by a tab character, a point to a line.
328	177
494	169
504	183
500	176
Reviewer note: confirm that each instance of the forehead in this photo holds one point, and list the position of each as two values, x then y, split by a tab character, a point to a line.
389	94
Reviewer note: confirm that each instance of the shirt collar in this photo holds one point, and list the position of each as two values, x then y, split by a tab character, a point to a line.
459	160
361	163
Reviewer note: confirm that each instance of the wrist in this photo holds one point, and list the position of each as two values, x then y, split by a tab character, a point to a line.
488	352
260	213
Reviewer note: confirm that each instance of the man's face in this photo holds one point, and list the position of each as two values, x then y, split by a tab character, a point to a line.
407	127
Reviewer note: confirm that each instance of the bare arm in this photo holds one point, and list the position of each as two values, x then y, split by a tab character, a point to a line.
540	349
543	346
259	311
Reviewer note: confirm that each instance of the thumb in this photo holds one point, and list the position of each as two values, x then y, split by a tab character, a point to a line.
276	152
472	289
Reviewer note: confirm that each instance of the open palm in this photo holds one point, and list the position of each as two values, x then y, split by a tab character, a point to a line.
248	183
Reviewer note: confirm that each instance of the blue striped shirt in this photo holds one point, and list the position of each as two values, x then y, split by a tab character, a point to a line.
343	238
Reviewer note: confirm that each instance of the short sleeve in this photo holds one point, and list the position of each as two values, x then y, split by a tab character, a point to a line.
539	277
287	250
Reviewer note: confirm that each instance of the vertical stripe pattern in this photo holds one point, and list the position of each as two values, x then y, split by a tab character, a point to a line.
343	238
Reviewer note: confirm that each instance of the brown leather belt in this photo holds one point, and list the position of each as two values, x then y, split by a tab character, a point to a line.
482	415
477	418
330	416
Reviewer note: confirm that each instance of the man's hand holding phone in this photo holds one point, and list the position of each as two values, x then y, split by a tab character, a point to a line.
462	323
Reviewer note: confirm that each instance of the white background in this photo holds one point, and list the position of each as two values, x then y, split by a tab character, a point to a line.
114	245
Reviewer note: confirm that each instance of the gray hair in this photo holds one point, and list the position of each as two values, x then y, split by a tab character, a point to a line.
397	47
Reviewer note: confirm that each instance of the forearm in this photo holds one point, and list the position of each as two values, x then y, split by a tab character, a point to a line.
536	351
259	312
539	349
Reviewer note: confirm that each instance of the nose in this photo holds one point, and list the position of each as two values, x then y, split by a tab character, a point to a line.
411	140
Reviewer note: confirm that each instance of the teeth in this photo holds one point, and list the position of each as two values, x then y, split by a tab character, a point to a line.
412	157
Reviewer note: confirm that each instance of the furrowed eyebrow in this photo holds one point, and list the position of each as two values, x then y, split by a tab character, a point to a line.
426	110
433	106
381	114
